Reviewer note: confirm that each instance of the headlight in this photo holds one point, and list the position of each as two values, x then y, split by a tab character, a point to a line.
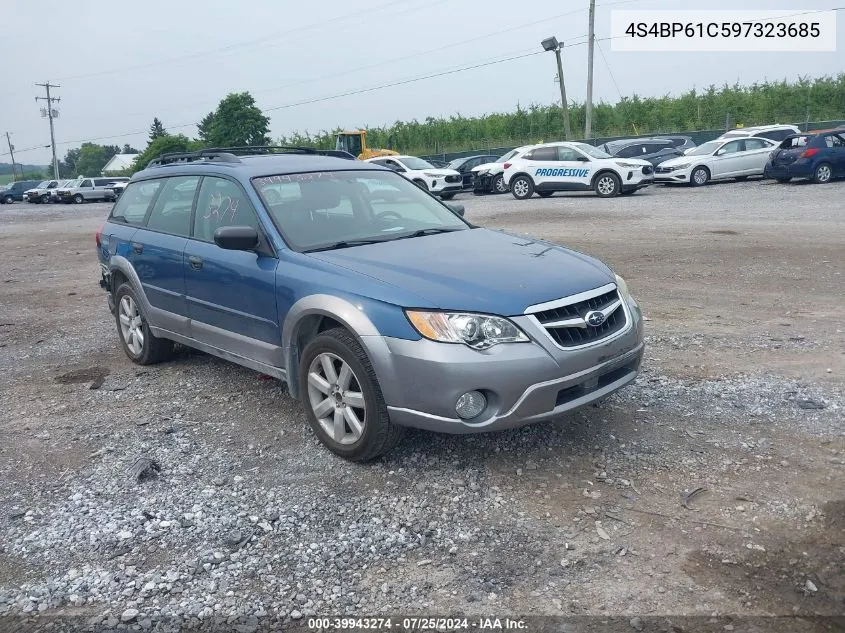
483	172
625	292
684	166
629	165
478	331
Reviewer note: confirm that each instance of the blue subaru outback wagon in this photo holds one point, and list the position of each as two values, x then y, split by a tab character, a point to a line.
380	306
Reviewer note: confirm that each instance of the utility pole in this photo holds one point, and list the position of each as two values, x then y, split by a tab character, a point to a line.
12	152
50	101
591	41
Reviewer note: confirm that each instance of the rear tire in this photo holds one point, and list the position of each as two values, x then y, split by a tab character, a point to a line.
522	187
137	341
699	176
607	185
342	398
822	174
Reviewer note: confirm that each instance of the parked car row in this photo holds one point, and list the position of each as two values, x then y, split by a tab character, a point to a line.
77	190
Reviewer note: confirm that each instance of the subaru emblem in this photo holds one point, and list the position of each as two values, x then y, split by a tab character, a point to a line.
595	318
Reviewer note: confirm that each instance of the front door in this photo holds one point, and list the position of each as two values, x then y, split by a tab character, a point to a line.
559	168
756	155
728	160
231	294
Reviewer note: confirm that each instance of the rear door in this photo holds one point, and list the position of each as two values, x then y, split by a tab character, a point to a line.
127	215
86	189
158	251
231	295
835	144
756	155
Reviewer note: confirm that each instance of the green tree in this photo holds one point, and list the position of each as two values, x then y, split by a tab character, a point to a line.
236	122
92	159
164	145
67	166
128	149
156	131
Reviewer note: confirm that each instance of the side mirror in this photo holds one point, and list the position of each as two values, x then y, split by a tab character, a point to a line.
457	208
236	238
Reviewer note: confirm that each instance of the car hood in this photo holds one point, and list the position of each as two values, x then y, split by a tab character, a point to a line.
682	160
487	167
630	161
440	172
478	270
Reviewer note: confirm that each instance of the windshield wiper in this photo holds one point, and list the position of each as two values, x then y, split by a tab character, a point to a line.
423	232
343	244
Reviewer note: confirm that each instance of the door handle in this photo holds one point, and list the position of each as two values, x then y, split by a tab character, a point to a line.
195	262
137	248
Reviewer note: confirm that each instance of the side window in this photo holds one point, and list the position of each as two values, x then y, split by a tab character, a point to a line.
172	210
132	205
100	182
629	152
755	143
221	203
85	183
834	140
732	148
567	153
544	154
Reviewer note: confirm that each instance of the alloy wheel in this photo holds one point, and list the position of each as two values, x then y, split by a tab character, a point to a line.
823	173
606	185
336	398
131	325
520	188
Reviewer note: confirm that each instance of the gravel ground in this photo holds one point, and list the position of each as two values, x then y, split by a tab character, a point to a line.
713	487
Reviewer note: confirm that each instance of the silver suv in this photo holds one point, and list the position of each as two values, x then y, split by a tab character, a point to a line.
89	190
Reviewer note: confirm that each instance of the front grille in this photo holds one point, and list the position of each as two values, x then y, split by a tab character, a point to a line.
663	170
454	178
582	334
647	169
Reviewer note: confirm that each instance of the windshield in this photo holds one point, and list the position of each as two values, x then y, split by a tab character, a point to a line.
412	162
707	148
42	185
456	163
589	150
322	210
507	156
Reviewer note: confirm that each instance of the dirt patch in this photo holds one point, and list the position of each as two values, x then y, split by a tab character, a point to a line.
87	374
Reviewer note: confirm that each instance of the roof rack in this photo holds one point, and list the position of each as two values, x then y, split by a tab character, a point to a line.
230	154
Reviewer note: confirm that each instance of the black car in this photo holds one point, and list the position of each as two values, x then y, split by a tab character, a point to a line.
683	143
13	192
464	166
654	150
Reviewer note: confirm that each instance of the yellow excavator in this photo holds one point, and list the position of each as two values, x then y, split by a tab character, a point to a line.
355	142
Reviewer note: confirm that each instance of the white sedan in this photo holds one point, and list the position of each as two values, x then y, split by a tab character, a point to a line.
441	182
717	160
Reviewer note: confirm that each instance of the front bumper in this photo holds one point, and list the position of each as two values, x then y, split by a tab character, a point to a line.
524	383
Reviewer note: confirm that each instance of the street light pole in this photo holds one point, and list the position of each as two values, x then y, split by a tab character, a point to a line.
552	44
50	100
12	153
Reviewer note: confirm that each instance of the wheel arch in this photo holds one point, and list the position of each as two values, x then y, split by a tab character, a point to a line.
122	271
601	172
314	314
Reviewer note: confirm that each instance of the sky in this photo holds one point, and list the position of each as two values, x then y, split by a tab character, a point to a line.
120	64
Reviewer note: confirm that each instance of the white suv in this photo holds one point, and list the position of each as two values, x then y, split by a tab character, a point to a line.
554	167
776	132
440	182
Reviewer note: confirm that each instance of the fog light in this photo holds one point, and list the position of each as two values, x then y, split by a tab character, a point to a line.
470	404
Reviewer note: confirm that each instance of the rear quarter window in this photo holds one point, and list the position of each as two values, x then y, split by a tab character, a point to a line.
133	204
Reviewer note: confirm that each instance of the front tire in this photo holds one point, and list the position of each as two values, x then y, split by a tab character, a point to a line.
342	398
45	199
700	176
8	200
522	187
822	174
607	185
137	341
499	185
78	199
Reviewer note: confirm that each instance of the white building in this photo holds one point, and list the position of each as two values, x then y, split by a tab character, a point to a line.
118	164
